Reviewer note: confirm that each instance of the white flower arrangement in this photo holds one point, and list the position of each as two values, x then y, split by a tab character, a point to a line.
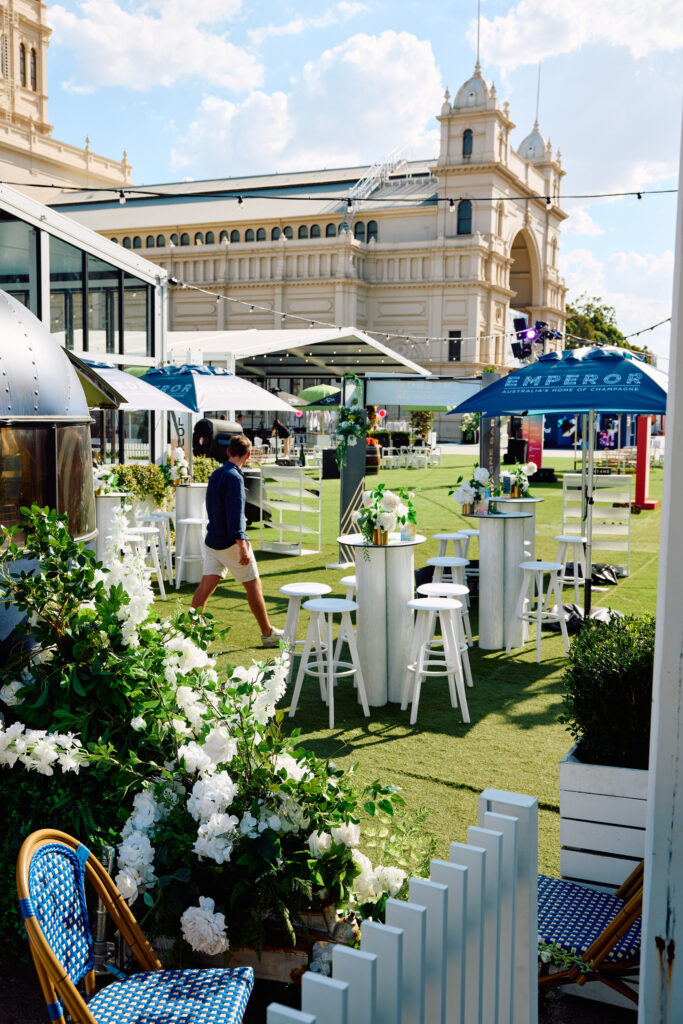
384	510
471	492
179	466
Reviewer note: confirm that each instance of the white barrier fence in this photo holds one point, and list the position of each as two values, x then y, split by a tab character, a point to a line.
463	950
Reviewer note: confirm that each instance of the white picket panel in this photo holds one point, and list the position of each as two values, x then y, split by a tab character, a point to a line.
492	842
525	809
454	877
277	1014
412	920
507	826
474	859
359	971
325	999
434	897
387	944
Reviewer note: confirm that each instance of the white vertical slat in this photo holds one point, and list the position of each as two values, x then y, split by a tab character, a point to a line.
507	825
433	896
387	944
474	859
277	1014
525	808
492	842
359	971
455	877
325	998
412	920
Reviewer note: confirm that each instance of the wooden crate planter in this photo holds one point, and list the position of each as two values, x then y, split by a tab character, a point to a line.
603	812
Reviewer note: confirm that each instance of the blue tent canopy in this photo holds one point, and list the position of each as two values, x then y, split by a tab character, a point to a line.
578	381
213	387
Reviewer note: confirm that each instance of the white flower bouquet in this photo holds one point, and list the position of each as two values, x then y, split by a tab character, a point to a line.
179	467
472	491
383	510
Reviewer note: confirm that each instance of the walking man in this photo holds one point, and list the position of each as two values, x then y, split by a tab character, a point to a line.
227	548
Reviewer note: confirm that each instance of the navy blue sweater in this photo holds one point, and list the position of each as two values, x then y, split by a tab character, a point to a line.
225	507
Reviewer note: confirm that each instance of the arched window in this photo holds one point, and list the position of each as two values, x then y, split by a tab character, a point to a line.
275	234
249	235
149	242
34	71
315	231
210	238
464	217
199	238
161	242
174	239
359	230
372	230
184	238
22	64
467	142
137	242
331	231
234	235
261	235
115	240
126	242
287	232
224	237
302	232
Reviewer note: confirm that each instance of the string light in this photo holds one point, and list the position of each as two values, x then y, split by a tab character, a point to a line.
122	197
451	206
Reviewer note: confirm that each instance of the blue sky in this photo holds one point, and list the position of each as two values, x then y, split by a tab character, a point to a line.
256	87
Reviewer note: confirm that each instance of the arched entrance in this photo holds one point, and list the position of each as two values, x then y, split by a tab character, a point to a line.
523	273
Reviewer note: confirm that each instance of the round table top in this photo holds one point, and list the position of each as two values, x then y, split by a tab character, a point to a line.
501	516
506	497
357	540
330	604
305	589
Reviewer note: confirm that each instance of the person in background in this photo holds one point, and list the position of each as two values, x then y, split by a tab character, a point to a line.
281	432
227	548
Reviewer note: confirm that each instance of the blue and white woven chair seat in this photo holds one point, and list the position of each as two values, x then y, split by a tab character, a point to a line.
175	997
573	916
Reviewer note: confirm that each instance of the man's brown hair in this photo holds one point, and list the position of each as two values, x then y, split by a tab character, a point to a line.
239	445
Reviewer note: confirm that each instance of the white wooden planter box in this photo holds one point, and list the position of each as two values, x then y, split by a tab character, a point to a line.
603	813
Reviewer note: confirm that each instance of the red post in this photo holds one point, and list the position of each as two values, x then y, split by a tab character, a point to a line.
643	464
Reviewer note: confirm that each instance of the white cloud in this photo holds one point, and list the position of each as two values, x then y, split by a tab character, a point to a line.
581	223
155	43
364	97
332	16
548	28
638	285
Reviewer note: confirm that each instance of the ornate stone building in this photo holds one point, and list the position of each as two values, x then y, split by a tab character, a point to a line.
442	250
28	153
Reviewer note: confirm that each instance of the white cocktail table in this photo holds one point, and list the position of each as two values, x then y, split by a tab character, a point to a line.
385	578
501	552
523	505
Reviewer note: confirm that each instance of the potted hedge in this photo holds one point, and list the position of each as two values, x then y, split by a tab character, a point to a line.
603	779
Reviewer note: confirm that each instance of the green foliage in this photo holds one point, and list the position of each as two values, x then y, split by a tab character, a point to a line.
352	423
400	438
421	422
202	468
608	691
143	481
383	436
596	322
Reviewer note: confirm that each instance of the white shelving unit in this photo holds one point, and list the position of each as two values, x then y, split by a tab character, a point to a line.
292	496
611	526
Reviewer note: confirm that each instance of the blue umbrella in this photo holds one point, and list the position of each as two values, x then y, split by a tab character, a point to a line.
213	387
584	380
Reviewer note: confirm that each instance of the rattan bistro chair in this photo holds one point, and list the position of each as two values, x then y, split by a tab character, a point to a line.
601	928
51	870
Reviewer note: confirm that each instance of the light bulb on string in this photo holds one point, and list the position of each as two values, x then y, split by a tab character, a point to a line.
451	206
240	201
122	197
640	196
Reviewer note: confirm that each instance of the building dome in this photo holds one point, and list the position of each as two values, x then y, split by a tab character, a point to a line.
474	93
533	147
36	377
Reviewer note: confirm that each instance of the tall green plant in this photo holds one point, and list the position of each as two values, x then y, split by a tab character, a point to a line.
608	691
143	481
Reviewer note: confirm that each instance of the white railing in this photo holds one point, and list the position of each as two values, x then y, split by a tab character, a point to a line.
463	950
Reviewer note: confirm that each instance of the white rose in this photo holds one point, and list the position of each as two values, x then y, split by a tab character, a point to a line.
390	501
481	475
346	835
390	879
530	468
319	843
353	441
203	929
366	888
220	746
387	521
8	694
127	886
137	723
367	498
355	516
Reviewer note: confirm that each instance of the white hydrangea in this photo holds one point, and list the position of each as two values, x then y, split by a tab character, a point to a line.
295	769
347	834
136	859
203	929
195	758
188	700
220	746
213	837
249	825
319	843
211	795
390	879
292	815
189	655
464	495
386	521
125	881
481	475
137	723
8	693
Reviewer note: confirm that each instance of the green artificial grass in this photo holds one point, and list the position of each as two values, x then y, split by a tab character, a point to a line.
513	742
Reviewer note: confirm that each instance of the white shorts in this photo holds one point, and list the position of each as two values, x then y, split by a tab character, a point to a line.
220	563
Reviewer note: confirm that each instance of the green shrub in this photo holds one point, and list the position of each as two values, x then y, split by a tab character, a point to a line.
608	691
143	481
202	468
400	438
383	436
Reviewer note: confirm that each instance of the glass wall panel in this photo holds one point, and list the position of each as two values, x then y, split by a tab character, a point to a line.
74	478
136	434
138	320
19	261
26	470
66	293
103	307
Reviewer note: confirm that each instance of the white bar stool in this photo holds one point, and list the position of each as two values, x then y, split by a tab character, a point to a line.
146	540
296	592
460	543
350	583
340	566
323	610
578	557
425	662
534	578
459	592
469	534
196	525
163	521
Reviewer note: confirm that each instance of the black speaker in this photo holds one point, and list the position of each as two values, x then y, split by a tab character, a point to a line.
330	467
518	448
